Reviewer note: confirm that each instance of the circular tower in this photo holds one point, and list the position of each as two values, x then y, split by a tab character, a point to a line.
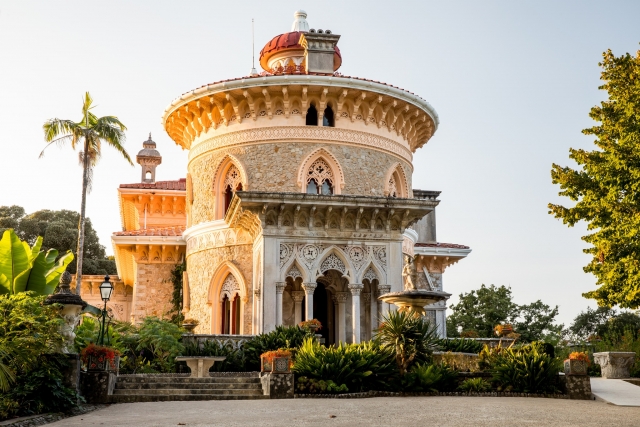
298	190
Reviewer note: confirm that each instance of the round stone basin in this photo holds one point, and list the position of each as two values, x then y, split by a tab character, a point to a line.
414	301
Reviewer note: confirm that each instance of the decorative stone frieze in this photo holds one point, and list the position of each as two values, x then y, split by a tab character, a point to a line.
615	364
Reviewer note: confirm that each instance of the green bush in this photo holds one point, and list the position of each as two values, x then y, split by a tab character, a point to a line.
289	337
314	386
234	361
29	342
476	385
411	339
360	367
526	369
425	377
460	345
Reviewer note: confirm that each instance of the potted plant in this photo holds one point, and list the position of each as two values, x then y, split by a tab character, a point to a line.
577	363
276	361
190	325
313	325
99	358
503	330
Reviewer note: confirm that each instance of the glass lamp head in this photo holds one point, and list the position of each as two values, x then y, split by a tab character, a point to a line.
105	289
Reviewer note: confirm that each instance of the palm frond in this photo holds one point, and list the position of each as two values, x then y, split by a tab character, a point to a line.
58	141
111	131
53	128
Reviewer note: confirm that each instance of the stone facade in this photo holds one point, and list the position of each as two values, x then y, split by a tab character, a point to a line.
153	291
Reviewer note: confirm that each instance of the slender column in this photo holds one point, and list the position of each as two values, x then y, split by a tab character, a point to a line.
279	290
297	300
374	312
256	320
309	288
356	289
341	297
384	289
368	324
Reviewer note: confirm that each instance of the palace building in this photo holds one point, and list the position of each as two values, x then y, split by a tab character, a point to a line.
298	200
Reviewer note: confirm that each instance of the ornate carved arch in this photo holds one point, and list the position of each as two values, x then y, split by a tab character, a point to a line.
330	160
396	183
373	270
225	165
226	279
333	258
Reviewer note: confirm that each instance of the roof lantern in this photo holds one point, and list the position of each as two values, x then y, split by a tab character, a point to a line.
149	158
302	51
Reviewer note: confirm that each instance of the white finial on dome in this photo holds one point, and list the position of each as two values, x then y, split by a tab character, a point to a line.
300	22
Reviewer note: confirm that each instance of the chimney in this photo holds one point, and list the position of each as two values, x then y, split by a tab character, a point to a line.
319	48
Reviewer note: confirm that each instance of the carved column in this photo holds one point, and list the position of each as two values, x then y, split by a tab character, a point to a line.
374	312
297	297
341	297
309	289
384	307
279	291
368	324
256	321
356	289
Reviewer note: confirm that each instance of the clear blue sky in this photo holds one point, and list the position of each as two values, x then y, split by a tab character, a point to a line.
513	83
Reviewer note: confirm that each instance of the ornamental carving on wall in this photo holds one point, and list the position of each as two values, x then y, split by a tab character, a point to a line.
293	272
332	262
370	275
230	286
232	178
320	171
217	239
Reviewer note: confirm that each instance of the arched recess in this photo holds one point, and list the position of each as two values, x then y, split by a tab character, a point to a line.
330	160
333	258
373	272
295	270
230	176
220	287
396	183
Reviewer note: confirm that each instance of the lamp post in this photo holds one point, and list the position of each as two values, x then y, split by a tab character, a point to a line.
105	293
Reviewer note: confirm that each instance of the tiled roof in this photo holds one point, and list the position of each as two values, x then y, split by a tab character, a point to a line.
165	231
290	41
180	184
440	245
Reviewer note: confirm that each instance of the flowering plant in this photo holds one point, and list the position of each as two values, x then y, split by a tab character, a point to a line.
99	354
503	330
580	355
311	323
270	355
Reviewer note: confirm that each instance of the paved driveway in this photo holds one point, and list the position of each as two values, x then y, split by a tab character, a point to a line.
380	411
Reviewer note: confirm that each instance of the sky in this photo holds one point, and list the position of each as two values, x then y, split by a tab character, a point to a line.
512	82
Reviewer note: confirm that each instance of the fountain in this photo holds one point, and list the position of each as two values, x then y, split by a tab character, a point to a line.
416	294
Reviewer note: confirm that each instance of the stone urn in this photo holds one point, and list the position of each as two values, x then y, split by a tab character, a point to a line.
615	364
72	306
189	326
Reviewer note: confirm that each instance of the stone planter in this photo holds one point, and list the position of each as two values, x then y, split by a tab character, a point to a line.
615	364
265	364
95	364
575	367
280	365
189	327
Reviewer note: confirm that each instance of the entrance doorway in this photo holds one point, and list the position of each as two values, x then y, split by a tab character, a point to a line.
320	310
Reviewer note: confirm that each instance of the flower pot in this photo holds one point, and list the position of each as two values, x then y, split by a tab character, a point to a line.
102	363
575	367
280	365
189	327
265	364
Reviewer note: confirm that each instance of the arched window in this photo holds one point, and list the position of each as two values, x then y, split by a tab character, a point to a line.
328	119
232	183
320	178
393	189
396	182
230	306
312	116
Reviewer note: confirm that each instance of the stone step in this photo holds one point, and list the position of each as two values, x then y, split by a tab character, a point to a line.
186	380
130	398
185	385
176	391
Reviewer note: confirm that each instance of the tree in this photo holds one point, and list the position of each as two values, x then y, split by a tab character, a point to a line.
602	322
606	186
91	131
59	230
481	310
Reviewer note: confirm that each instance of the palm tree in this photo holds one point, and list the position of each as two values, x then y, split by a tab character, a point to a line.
91	131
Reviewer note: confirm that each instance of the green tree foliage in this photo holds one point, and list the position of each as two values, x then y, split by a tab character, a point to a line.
59	230
176	296
482	309
604	322
606	186
24	268
30	336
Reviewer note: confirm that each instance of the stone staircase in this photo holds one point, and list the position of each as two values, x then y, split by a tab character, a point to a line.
156	388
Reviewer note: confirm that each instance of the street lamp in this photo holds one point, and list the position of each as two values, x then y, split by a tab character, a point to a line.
105	293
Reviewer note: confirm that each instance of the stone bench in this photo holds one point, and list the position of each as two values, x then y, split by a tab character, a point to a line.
200	365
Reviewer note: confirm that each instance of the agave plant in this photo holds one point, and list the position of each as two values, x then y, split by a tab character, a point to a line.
527	369
412	339
24	268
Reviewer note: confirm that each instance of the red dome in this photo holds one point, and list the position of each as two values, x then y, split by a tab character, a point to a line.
290	41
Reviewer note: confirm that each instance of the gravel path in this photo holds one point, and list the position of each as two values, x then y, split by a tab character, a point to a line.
380	411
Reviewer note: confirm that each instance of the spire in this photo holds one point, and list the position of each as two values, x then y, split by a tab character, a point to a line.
300	21
149	158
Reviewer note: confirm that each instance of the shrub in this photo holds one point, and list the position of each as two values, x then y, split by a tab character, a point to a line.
99	352
476	385
360	367
424	377
160	339
527	369
460	345
282	337
313	386
412	339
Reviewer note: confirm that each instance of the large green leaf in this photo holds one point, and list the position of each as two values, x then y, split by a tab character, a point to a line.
37	280
52	277
15	257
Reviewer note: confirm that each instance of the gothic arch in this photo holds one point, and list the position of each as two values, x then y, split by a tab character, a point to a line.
379	273
330	160
325	259
217	291
295	264
225	166
396	183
